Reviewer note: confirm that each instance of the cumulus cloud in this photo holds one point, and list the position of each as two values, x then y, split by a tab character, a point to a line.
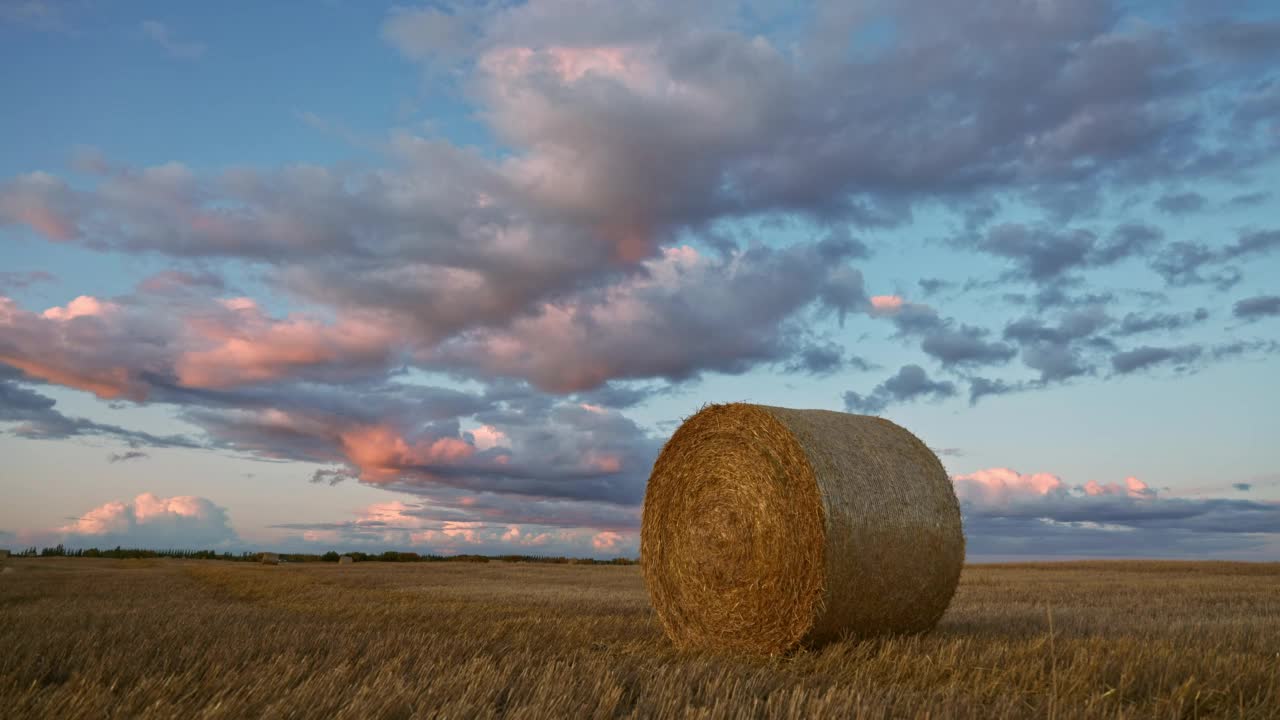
1011	513
150	521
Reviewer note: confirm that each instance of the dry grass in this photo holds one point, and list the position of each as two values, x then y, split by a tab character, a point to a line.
193	639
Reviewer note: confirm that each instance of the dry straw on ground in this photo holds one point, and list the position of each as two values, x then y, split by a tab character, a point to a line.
765	528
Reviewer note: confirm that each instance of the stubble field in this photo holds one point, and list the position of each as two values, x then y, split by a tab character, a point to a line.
84	638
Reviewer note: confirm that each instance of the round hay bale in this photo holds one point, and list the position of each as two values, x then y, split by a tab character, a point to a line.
765	528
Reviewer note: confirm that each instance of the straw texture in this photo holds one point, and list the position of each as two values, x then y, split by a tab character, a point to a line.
765	528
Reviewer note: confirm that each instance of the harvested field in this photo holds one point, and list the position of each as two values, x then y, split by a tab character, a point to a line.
205	639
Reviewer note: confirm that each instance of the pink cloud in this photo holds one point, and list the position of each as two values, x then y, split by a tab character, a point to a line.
381	453
244	345
103	347
152	521
68	346
1000	486
46	221
82	306
886	304
1132	487
606	541
488	436
40	201
604	462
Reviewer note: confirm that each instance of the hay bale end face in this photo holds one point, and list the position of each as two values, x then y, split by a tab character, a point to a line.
765	528
269	559
346	560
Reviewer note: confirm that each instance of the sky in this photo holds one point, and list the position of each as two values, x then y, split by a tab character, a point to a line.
444	277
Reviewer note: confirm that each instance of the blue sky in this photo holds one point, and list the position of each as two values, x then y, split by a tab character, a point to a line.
360	276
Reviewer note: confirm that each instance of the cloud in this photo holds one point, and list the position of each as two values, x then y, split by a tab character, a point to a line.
126	456
43	15
607	250
655	325
1181	263
149	521
965	346
1182	203
165	38
11	280
1242	487
1251	199
120	350
1147	356
1135	323
1043	254
1057	352
1258	307
451	523
1007	512
177	282
980	387
910	382
37	419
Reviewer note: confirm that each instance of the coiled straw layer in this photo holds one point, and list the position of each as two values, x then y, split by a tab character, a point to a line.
765	528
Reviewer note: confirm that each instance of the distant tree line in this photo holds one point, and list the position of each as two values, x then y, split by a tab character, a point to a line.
122	553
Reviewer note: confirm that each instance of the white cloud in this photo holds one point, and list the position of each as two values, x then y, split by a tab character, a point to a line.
150	521
164	37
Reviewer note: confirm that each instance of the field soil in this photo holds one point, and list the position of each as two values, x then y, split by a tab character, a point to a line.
92	638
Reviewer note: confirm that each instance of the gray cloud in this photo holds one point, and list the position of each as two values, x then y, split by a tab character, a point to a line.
1182	203
11	280
910	383
1181	263
1042	254
980	387
127	456
965	346
1009	514
1251	199
1147	356
1257	307
1056	352
1135	323
37	419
